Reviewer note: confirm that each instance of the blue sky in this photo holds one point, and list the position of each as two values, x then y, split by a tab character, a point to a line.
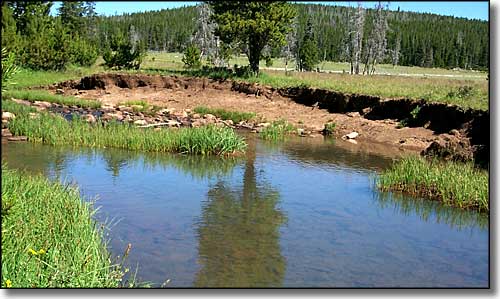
470	10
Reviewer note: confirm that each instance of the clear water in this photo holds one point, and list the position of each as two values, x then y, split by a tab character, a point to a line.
303	213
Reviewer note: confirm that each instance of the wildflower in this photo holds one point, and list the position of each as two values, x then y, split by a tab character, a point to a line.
33	252
41	251
8	283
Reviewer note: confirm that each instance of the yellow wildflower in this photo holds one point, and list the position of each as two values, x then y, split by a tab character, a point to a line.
33	252
41	251
8	283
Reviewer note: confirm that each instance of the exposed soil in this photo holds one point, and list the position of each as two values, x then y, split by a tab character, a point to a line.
453	132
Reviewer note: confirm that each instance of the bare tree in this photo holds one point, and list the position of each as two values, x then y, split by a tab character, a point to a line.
290	48
205	39
396	52
355	32
376	46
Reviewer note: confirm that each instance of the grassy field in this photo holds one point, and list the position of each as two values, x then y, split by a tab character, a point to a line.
55	130
173	60
453	183
464	89
49	239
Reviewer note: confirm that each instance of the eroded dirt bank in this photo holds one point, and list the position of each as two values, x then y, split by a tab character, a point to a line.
437	129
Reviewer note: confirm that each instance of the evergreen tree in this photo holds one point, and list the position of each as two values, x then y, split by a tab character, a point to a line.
308	52
256	24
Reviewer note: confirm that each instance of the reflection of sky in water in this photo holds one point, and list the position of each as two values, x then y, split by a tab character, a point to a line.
297	214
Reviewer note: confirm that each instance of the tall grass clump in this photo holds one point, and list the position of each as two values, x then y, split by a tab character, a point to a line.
453	183
235	116
55	130
49	239
277	130
42	95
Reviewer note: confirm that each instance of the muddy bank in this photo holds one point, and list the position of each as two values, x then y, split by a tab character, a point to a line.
435	129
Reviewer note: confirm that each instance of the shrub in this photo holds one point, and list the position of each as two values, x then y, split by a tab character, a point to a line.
122	53
8	68
192	57
329	128
83	52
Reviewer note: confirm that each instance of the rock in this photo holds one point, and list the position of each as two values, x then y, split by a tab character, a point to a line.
263	125
59	91
353	114
181	114
118	115
187	110
352	141
366	110
33	115
229	122
8	116
219	125
173	123
455	132
140	122
17	138
196	116
89	118
6	133
137	107
351	135
300	131
197	123
209	116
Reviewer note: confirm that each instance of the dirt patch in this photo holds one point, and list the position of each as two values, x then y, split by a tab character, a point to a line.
376	120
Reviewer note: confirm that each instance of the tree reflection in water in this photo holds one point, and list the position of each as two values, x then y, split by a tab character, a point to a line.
239	234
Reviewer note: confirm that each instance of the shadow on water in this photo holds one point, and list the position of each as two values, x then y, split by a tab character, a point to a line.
427	210
238	233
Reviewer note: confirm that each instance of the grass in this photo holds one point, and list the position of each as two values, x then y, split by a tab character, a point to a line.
42	95
277	130
235	116
49	239
330	128
453	183
55	130
432	89
30	78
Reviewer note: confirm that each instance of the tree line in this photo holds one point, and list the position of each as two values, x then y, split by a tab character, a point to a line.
309	33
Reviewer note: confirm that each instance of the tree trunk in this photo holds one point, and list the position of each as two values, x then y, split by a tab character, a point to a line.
254	50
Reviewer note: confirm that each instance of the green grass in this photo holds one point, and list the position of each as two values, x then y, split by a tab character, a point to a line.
453	183
55	130
49	239
29	78
235	116
330	128
443	89
144	105
42	95
278	130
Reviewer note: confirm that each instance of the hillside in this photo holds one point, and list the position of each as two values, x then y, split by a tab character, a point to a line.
427	40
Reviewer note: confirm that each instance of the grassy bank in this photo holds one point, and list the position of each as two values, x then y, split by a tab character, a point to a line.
30	78
235	116
42	95
49	238
453	183
55	130
463	93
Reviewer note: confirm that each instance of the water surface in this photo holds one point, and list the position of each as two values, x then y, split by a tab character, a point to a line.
303	213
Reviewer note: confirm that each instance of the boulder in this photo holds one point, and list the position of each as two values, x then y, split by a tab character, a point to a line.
6	133
8	116
352	135
89	118
140	122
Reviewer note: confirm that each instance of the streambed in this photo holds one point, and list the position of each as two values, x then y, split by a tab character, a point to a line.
301	213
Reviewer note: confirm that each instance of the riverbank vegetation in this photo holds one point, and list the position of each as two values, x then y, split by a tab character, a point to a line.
235	116
49	239
452	183
42	95
55	130
277	130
